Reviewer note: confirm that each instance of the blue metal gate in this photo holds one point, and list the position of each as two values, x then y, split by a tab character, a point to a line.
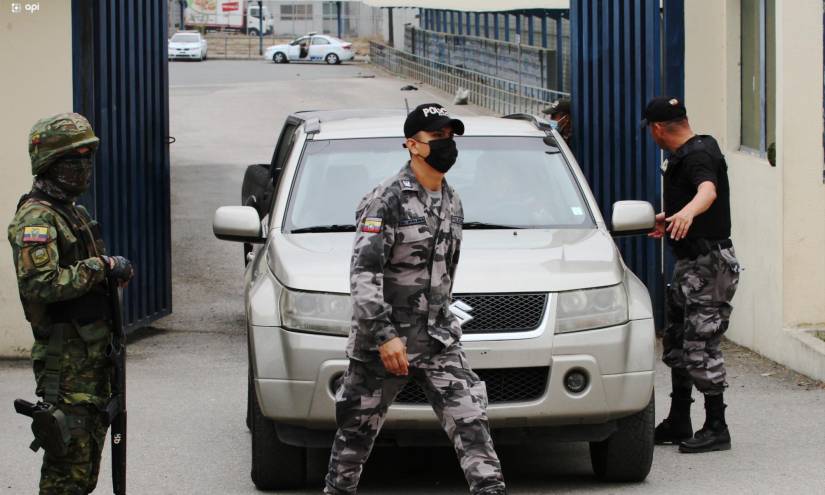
121	85
616	65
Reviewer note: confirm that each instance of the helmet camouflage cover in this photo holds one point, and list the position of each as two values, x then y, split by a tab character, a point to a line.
57	135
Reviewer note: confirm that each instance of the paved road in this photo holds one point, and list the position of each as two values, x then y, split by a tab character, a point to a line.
187	375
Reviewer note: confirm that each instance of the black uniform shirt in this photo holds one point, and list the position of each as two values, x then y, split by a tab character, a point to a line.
697	161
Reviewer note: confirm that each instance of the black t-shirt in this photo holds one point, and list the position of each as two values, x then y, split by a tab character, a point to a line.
697	161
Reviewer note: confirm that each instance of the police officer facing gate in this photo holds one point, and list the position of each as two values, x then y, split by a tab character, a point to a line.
696	223
62	272
405	254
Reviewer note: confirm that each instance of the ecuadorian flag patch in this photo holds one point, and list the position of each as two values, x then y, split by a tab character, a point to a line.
372	225
36	235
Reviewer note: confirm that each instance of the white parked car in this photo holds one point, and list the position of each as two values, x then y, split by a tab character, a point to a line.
188	45
313	48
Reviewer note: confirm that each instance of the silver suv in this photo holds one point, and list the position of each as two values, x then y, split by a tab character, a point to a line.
556	325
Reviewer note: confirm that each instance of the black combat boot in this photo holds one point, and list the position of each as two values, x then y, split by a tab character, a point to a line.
677	426
714	435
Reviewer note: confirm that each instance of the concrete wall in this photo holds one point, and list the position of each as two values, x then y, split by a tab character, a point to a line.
36	56
778	212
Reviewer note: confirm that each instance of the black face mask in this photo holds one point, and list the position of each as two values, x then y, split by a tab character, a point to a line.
72	174
443	154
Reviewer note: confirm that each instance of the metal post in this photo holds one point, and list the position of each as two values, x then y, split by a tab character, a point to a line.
506	27
452	22
544	31
486	25
338	16
460	23
260	27
559	55
389	24
478	23
530	33
182	4
495	25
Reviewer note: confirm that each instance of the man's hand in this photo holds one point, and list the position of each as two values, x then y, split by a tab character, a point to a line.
119	268
394	356
659	229
679	224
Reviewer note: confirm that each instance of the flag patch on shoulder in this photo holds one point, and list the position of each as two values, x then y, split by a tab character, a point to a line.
372	225
35	235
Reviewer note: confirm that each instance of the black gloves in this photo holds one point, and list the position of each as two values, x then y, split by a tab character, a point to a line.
118	267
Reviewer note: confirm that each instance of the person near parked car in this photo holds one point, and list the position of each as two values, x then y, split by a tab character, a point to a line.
696	222
405	254
559	112
62	273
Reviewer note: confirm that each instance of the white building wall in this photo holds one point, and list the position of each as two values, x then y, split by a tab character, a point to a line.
778	212
31	90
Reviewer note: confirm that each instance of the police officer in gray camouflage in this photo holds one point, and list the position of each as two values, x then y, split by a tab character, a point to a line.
697	223
405	253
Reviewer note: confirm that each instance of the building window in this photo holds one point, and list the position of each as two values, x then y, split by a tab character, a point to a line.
758	75
330	11
296	12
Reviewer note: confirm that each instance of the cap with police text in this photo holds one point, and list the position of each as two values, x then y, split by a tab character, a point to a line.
663	109
430	117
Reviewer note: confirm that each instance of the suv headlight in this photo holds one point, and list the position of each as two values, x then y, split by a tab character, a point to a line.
591	308
316	312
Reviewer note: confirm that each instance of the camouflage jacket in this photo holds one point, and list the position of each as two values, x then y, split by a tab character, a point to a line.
60	274
403	263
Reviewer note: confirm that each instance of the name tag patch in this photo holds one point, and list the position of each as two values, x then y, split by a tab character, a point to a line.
372	225
405	222
35	235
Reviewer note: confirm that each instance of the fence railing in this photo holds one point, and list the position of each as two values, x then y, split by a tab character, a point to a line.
499	95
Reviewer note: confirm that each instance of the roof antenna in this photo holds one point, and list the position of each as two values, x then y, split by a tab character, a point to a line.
408	87
407	104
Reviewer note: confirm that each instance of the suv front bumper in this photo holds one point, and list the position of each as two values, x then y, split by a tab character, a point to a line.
294	372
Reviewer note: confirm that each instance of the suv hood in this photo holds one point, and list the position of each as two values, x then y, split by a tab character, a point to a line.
491	261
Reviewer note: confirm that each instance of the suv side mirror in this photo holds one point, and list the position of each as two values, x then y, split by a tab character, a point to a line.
632	218
237	223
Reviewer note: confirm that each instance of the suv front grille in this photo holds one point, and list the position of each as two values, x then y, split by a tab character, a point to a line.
503	385
503	312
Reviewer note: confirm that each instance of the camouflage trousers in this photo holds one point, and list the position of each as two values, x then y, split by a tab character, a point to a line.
698	314
84	387
457	395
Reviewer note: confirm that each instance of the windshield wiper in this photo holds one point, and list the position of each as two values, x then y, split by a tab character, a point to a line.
483	225
324	228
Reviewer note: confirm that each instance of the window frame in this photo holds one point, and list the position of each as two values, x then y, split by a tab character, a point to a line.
762	34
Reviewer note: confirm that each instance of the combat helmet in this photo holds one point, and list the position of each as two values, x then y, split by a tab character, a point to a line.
57	135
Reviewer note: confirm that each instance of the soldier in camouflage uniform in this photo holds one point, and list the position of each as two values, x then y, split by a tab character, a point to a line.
697	214
62	273
404	259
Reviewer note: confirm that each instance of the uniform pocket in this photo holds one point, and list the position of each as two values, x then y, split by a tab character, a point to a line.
96	336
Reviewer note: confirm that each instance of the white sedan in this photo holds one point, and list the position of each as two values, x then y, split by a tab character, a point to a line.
313	48
188	45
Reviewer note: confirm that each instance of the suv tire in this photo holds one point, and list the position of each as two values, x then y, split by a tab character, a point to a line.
628	453
275	465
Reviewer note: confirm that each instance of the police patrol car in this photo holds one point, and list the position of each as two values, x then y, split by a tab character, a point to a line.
554	322
311	48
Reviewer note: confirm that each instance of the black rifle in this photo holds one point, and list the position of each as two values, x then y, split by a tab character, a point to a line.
117	405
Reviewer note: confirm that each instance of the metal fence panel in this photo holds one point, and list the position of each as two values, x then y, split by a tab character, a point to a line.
616	69
121	85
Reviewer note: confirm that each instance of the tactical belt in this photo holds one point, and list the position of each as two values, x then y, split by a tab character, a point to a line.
693	248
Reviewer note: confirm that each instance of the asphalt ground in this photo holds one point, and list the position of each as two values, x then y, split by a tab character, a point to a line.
187	374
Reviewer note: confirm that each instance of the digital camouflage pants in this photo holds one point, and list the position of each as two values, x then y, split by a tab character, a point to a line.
457	395
85	377
698	313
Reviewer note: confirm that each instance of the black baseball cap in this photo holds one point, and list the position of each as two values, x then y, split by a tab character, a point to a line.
558	106
430	117
663	109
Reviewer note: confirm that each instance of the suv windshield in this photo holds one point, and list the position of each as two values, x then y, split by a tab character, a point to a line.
502	181
185	38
